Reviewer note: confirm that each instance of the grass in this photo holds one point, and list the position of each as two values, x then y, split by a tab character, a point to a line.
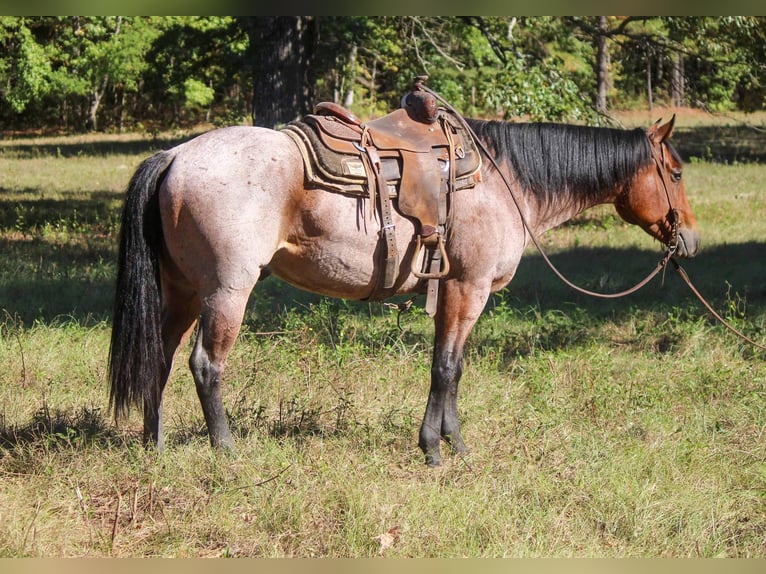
606	429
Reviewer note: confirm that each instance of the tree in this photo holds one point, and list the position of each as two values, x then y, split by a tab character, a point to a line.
87	56
544	71
24	68
723	59
602	65
197	62
282	52
98	72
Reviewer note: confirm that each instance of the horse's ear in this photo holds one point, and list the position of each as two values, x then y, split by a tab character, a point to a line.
659	133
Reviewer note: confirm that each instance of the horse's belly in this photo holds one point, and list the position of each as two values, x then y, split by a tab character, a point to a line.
319	270
339	265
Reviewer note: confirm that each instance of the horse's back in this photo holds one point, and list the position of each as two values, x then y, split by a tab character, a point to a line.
235	163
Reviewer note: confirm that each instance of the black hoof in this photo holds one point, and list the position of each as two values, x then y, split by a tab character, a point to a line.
433	459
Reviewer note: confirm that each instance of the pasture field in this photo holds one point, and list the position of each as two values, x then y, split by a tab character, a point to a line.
629	428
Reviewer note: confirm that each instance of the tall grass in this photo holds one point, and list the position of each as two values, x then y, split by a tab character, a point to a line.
628	428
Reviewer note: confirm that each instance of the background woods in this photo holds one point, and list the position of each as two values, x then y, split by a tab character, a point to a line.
87	73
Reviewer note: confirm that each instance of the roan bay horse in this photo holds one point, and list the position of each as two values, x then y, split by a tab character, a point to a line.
205	220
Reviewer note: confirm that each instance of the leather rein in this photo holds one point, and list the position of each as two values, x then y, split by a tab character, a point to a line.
661	265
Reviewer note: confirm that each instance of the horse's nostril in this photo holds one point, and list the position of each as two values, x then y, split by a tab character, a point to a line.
688	242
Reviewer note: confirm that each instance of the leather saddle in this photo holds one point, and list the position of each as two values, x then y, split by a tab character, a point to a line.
412	158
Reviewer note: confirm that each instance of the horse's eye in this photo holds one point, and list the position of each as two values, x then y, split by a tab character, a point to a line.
675	175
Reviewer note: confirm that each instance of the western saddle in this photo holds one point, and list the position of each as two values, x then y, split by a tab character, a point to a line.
410	160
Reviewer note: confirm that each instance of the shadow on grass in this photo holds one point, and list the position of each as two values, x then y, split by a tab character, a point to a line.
55	431
58	257
722	273
77	282
99	209
81	428
47	281
722	144
725	274
101	147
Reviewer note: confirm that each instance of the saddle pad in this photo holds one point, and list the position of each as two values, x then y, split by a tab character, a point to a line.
341	171
332	150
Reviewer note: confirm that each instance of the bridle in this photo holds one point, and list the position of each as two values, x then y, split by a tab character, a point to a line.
673	217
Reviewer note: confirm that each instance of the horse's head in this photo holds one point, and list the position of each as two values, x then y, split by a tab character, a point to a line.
656	199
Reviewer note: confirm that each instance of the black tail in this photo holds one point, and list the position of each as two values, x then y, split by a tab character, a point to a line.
136	359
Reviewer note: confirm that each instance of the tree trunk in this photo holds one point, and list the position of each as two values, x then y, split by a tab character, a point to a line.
93	112
350	78
649	80
282	49
121	112
677	81
373	79
602	65
95	101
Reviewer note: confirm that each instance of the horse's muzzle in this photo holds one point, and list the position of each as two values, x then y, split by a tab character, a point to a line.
688	242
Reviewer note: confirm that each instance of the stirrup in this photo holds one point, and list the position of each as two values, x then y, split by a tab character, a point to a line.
421	247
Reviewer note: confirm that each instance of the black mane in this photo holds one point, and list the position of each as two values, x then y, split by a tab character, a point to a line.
549	159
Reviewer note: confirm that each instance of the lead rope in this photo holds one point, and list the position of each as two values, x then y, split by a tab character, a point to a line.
682	272
660	265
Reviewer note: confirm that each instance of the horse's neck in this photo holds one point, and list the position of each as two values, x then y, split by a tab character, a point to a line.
558	208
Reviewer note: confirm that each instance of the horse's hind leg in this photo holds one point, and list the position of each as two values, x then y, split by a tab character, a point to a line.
221	319
180	309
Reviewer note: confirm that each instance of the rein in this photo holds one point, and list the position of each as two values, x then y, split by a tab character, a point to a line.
672	246
682	272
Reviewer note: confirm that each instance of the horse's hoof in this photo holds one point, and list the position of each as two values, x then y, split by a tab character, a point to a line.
458	447
224	444
433	459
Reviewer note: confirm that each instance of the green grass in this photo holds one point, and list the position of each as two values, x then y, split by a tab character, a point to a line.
609	429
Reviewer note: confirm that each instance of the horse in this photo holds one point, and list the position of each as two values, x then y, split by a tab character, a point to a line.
204	221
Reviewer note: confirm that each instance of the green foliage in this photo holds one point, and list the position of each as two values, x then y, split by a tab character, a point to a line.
540	91
111	72
197	61
196	93
24	69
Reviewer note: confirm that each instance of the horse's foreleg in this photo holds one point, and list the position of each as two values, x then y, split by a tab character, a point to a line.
460	305
441	417
219	326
